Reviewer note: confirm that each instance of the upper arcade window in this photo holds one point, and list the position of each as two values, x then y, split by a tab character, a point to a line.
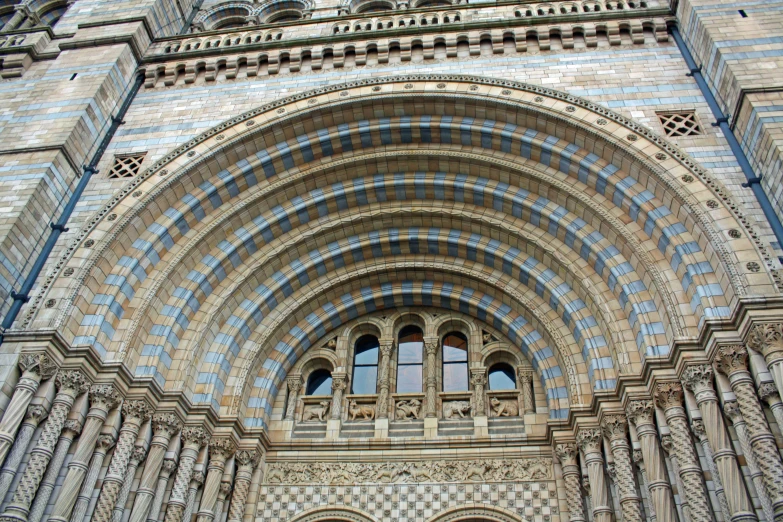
434	3
410	358
502	377
365	365
455	362
375	6
319	383
289	15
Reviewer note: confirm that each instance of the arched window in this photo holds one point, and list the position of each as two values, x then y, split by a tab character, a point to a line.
365	365
319	383
410	358
502	377
455	362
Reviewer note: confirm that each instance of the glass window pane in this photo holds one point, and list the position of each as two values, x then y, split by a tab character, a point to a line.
409	378
366	350
452	354
455	377
501	377
319	383
410	353
364	379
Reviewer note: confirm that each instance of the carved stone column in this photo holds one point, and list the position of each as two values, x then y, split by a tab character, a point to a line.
195	483
246	465
169	465
225	489
220	450
698	379
35	414
382	406
767	338
134	414
590	441
732	410
642	414
339	384
193	438
20	13
164	425
732	360
669	396
526	383
478	378
102	447
698	429
770	395
31	21
70	431
431	394
35	367
667	443
616	428
70	383
638	459
567	454
294	385
103	397
137	457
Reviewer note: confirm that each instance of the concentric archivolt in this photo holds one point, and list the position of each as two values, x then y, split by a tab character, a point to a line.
530	203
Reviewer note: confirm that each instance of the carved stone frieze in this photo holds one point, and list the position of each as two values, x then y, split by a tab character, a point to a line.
491	470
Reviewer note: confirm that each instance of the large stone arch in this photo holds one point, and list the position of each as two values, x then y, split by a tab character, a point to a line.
540	202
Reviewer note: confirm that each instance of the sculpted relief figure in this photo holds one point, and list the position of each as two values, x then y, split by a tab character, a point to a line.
407	410
366	411
320	411
502	408
461	408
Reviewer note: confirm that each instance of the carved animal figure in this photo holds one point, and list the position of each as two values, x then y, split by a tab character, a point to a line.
408	409
477	471
275	476
367	412
535	468
416	473
459	407
339	475
316	411
386	475
504	408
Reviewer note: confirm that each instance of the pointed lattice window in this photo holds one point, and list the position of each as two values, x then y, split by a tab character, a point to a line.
677	124
126	166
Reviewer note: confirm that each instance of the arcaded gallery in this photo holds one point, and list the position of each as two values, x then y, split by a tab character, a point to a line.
391	261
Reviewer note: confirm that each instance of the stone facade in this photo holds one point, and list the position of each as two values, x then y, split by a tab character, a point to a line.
376	260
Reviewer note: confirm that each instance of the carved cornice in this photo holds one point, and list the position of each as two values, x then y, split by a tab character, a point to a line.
141	410
39	363
731	358
641	412
104	396
615	427
589	440
668	395
698	378
165	424
732	411
566	454
194	435
72	381
767	338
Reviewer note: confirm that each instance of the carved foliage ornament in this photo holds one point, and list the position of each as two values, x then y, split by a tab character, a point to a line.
73	426
731	358
698	378
104	443
641	412
768	392
767	338
221	449
39	363
195	435
166	424
669	395
615	426
589	439
248	458
732	411
35	414
137	409
104	396
566	453
138	455
73	381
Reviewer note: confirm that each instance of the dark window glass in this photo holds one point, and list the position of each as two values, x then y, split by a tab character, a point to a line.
501	377
410	355
365	365
455	362
319	383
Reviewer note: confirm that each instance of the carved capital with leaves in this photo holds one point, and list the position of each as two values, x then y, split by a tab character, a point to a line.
39	363
73	382
104	396
669	395
767	338
139	410
165	424
731	358
615	427
35	414
221	449
195	436
589	440
698	378
732	411
641	412
566	453
769	393
248	459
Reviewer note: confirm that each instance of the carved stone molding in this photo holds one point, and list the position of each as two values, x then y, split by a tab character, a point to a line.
484	470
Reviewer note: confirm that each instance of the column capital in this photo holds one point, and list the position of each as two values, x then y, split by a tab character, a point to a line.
638	458
104	396
641	412
169	465
104	443
525	374
194	435
35	414
589	439
731	358
615	427
667	443
197	478
478	376
769	393
225	489
732	411
39	363
72	381
566	453
387	346
767	338
221	449
697	426
294	383
431	344
248	458
138	455
668	395
339	382
141	410
165	424
23	8
73	426
698	378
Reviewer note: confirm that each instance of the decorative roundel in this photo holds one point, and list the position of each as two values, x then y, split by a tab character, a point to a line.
281	110
441	86
753	266
474	87
632	137
376	88
312	101
138	192
601	122
713	204
538	99
111	217
734	233
68	272
687	178
191	153
344	93
221	137
89	243
570	108
50	303
661	156
409	86
250	123
505	92
161	174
